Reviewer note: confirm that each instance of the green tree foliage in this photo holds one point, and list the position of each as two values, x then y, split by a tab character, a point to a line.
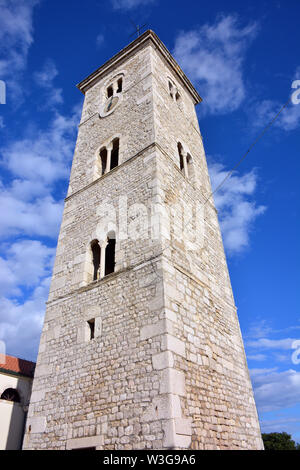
279	441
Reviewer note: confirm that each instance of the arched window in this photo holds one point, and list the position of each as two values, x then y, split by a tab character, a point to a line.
110	91
114	88
109	156
173	90
103	256
112	95
120	85
115	154
96	251
181	158
185	161
190	167
103	158
110	254
11	394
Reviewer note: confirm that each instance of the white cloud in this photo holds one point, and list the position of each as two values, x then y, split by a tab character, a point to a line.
213	56
31	199
259	329
257	357
279	357
259	372
100	40
290	119
236	212
21	323
15	39
37	162
38	218
43	155
267	109
262	328
33	205
265	343
15	33
275	390
261	348
26	263
44	78
281	424
130	4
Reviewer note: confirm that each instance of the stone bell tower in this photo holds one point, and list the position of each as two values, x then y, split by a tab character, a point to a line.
141	346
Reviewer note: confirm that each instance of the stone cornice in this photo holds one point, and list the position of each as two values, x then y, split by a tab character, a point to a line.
85	84
130	159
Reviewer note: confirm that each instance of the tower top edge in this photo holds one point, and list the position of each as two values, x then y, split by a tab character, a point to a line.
148	35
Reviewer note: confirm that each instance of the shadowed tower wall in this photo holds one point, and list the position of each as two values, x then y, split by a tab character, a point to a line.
149	356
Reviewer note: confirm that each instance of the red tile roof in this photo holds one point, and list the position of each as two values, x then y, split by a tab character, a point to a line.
16	365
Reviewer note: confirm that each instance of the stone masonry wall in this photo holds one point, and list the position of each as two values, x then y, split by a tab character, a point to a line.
166	368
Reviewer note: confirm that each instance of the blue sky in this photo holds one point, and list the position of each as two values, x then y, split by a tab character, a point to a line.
242	57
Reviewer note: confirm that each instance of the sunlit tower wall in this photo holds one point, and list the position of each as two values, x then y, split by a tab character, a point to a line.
141	346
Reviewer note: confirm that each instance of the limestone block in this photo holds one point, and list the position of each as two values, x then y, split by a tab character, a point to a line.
162	360
43	369
172	381
159	328
174	344
36	425
84	442
57	283
183	426
170	315
162	407
37	396
98	327
172	439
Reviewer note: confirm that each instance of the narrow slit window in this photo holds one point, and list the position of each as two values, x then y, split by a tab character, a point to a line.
110	91
181	163
189	165
120	85
96	251
91	325
103	157
110	256
115	154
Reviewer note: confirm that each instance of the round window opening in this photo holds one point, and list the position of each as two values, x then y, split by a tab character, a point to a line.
111	103
109	106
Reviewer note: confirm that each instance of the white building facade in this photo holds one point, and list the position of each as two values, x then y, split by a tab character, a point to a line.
16	377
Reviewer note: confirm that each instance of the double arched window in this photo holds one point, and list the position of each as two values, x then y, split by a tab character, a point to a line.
115	87
185	161
112	93
173	90
109	156
103	256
